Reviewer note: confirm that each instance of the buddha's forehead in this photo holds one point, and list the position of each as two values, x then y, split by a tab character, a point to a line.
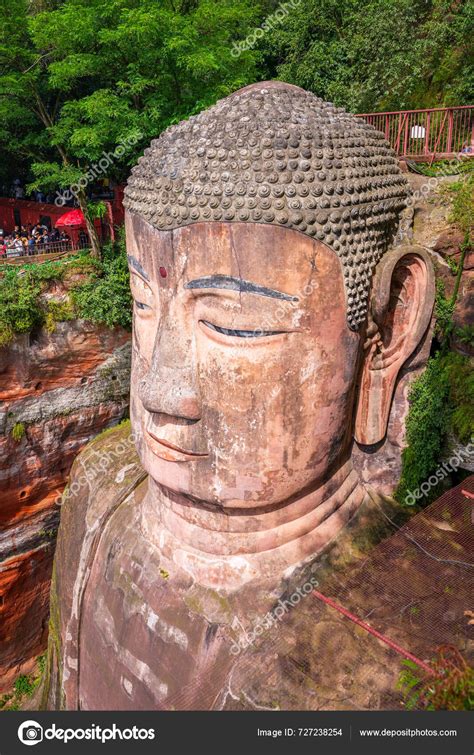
267	256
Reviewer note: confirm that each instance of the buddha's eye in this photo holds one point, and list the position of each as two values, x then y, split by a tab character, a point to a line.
142	294
140	305
258	333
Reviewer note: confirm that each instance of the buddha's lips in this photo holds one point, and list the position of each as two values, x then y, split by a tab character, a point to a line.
166	450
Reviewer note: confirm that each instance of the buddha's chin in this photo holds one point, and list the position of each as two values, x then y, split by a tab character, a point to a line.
196	480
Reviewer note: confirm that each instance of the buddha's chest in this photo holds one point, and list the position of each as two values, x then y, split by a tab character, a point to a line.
141	644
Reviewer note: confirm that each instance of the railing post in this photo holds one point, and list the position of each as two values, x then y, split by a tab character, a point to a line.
405	140
427	134
449	140
400	126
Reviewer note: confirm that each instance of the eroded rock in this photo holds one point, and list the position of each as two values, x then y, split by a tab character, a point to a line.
58	390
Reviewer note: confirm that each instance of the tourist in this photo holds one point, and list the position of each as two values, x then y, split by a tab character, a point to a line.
15	247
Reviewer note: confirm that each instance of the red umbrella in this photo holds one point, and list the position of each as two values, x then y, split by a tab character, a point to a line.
71	219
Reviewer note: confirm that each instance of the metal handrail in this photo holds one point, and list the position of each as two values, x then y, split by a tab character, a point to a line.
427	133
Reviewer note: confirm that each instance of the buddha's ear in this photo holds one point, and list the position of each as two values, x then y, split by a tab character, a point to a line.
400	310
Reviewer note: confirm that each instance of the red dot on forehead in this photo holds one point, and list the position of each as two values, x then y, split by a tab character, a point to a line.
163	272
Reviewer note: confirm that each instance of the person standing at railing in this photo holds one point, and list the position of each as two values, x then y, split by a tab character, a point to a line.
15	247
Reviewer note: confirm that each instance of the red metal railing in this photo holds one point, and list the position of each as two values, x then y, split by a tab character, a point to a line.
441	132
28	254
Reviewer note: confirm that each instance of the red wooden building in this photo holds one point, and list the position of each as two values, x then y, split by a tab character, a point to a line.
18	212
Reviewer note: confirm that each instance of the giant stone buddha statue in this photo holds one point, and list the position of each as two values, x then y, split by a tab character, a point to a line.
272	317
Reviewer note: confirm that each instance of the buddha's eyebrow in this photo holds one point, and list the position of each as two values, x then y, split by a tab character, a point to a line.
237	284
135	263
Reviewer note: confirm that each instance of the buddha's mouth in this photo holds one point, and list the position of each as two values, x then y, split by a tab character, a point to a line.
168	451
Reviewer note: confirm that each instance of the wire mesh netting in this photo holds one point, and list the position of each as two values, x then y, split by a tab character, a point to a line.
414	587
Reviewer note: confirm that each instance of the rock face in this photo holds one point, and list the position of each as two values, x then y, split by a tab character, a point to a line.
57	390
434	229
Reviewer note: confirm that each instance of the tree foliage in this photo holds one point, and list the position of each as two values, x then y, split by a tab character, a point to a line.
78	78
378	54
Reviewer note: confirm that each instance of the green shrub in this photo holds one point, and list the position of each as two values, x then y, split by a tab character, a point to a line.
462	194
24	685
465	335
58	311
441	403
5	699
444	309
461	381
446	167
83	264
41	665
19	312
18	431
106	298
450	687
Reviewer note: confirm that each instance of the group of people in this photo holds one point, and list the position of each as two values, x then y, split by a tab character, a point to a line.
31	239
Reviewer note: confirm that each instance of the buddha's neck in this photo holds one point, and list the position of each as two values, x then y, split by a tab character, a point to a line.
226	548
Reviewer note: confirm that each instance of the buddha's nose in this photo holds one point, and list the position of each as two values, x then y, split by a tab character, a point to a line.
171	386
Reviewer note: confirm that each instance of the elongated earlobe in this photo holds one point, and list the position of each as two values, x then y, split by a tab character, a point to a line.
400	312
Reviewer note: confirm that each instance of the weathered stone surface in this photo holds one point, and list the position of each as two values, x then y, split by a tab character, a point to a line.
176	635
63	388
65	358
448	244
24	587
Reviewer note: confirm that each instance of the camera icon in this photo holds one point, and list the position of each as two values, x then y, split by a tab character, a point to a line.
30	733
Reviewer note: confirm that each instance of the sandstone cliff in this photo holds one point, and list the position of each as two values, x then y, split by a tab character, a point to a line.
57	391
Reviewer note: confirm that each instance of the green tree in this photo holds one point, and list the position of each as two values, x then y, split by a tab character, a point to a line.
80	77
377	54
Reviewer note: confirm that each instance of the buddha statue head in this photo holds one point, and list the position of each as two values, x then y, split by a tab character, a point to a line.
272	316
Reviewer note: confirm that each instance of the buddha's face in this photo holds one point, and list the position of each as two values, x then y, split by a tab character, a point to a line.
243	364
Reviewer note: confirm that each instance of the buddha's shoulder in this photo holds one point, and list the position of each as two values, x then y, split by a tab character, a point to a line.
104	475
105	478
